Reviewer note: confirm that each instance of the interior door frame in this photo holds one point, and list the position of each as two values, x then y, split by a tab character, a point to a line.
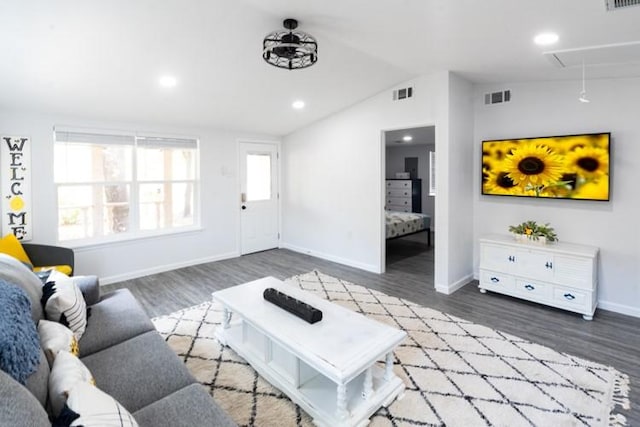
278	144
383	189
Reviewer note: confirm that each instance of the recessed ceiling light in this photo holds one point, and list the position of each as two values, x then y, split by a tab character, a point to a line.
167	81
407	138
298	105
545	39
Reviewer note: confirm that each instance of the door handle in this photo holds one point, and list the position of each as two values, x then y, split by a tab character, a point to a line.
244	207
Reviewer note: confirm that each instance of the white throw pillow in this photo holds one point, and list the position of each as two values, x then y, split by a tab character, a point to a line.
67	372
55	337
63	302
97	409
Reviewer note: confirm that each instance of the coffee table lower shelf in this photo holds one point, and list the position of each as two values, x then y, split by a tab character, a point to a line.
330	404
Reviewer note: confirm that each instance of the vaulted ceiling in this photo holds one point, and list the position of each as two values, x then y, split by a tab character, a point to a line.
102	59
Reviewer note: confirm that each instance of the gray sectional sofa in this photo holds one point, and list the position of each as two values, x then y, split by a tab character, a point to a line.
127	357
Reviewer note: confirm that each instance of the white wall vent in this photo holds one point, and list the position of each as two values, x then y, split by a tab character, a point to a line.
403	93
497	97
619	4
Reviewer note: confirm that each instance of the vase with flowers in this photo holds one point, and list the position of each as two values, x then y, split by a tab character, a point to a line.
530	231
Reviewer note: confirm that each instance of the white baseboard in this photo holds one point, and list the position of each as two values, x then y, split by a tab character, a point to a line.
449	289
333	258
619	308
163	268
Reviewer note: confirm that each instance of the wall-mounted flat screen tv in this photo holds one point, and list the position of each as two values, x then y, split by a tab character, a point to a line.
556	167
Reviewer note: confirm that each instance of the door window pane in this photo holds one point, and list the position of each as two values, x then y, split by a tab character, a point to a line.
258	177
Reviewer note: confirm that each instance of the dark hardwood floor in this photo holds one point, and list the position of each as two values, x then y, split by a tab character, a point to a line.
612	339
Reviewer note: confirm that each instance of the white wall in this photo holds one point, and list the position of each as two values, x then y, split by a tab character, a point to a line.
457	171
552	108
218	238
395	163
333	194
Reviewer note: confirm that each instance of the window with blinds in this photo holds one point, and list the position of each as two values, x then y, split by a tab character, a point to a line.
116	185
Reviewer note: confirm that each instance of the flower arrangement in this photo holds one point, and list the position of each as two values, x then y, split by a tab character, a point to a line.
534	231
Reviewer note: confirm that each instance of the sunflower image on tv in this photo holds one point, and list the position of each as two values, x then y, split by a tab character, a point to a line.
567	167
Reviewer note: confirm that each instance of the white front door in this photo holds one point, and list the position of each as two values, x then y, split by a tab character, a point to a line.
258	197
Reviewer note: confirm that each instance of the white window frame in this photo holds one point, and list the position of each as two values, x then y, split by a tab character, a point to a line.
135	232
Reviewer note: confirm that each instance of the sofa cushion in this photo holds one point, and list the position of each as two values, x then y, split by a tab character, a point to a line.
66	373
24	410
88	406
38	382
19	343
190	406
116	318
13	271
64	269
90	288
138	371
55	337
63	302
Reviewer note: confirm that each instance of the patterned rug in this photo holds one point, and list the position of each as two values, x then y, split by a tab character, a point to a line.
457	373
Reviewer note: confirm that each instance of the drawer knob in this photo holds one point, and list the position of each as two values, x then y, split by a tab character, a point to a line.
549	265
512	258
529	287
570	297
495	279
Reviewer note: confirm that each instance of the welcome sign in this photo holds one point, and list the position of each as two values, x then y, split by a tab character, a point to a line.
15	186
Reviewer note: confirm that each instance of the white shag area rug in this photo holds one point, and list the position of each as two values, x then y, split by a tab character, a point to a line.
457	373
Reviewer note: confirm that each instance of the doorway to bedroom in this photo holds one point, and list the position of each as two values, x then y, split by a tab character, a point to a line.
409	203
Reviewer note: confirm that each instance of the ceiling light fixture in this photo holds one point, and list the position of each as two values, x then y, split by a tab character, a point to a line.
407	138
545	39
298	105
167	81
290	49
583	94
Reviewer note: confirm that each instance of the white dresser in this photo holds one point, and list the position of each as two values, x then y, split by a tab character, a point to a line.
404	195
561	275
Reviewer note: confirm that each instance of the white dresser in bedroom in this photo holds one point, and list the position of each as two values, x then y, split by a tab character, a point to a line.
404	195
562	275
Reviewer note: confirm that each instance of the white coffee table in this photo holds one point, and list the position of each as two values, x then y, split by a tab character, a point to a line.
329	368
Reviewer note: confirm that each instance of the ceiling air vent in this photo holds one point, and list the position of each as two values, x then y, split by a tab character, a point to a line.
404	93
619	4
497	97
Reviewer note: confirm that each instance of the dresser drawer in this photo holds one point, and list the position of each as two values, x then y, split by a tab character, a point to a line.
532	289
399	201
399	208
399	184
571	297
496	281
397	192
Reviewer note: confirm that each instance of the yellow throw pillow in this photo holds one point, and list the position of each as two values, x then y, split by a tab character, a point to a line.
10	245
64	269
